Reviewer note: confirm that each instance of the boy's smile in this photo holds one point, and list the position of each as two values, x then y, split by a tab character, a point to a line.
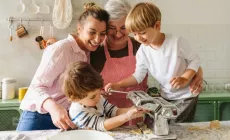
149	36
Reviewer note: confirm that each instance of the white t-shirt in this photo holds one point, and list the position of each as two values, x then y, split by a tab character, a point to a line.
92	117
170	60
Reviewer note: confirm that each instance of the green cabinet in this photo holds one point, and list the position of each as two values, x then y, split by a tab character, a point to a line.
205	111
213	106
9	114
223	110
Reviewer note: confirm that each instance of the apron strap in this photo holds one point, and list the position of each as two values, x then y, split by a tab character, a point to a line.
107	55
130	47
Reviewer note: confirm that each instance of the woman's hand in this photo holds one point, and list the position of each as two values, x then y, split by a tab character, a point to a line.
59	115
61	119
196	84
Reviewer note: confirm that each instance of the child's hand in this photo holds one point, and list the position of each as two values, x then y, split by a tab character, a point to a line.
113	86
134	113
178	82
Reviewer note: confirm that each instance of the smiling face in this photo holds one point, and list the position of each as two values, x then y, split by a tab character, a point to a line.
145	37
117	34
149	35
91	33
92	98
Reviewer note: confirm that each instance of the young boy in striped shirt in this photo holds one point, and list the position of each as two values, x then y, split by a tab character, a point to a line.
82	85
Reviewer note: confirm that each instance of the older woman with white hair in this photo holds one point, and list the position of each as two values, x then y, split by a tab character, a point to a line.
115	60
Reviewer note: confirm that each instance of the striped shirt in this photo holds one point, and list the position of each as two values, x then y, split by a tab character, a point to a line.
92	117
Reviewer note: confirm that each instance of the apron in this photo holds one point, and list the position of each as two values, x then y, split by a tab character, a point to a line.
117	69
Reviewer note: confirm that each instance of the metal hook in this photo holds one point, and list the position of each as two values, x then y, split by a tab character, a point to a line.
51	30
20	21
10	19
42	22
11	26
28	23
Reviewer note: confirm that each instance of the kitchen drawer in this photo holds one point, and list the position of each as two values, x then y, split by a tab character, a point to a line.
9	114
205	111
223	110
213	106
9	118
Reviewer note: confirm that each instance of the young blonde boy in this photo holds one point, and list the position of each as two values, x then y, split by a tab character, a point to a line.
169	59
82	85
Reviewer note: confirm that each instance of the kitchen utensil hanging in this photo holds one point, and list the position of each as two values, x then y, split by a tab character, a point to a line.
21	7
44	8
62	13
39	39
11	26
28	24
51	39
33	8
21	30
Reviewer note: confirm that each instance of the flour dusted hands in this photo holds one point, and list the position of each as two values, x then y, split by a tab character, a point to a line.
178	82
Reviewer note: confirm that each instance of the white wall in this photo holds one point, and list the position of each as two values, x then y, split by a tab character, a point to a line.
205	23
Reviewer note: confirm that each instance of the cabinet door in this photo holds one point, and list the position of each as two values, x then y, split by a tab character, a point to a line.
223	111
205	111
9	117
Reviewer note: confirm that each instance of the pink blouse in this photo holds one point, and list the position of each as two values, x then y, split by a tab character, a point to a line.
48	79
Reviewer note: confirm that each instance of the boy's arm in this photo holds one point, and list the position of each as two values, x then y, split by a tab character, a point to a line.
130	81
111	110
141	65
116	121
182	81
193	60
196	84
126	115
189	74
118	116
86	119
186	52
137	77
122	111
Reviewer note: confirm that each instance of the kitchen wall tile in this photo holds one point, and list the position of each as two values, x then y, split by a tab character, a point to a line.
208	32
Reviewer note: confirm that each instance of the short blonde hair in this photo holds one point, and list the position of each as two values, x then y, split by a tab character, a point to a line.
142	16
